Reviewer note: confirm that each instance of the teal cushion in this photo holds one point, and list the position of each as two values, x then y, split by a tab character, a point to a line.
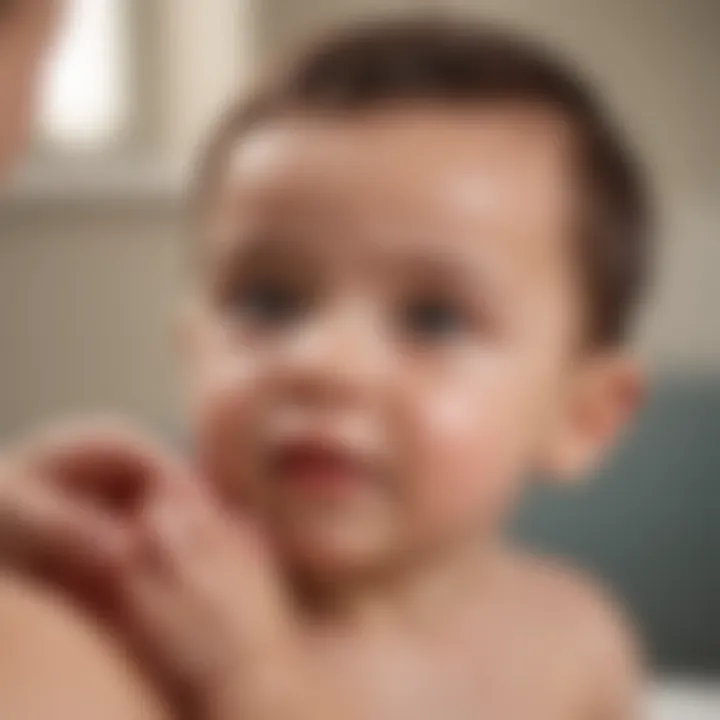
649	524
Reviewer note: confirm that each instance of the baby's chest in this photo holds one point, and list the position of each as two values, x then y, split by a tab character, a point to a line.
473	686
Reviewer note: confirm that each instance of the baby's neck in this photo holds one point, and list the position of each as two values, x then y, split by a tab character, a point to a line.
417	593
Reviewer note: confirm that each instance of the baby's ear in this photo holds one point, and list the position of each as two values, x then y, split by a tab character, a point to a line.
602	398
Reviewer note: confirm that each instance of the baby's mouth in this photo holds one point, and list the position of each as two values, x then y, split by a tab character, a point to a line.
320	467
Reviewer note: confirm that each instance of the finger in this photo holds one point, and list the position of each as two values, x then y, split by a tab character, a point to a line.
42	530
207	553
109	461
152	619
177	530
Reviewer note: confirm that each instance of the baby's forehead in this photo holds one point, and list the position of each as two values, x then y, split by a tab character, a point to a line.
404	145
497	172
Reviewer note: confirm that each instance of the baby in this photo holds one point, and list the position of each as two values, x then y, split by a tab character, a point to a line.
418	251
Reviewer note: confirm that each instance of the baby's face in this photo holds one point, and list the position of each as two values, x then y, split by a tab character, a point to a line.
386	326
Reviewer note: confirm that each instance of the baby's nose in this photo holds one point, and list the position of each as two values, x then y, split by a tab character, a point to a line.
338	353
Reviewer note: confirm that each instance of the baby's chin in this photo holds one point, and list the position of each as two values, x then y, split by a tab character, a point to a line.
327	552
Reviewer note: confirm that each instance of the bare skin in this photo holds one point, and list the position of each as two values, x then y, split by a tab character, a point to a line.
56	663
540	644
26	29
475	634
365	422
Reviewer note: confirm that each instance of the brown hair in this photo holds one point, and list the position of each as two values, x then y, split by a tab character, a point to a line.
369	66
6	7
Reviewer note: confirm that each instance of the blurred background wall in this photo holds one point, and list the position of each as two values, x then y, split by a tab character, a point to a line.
92	264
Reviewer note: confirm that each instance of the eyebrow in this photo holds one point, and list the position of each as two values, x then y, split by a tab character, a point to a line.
253	248
462	271
419	260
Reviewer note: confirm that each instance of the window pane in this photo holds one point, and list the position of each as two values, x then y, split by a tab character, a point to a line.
84	105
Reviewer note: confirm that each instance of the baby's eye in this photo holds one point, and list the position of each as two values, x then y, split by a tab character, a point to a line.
270	302
434	319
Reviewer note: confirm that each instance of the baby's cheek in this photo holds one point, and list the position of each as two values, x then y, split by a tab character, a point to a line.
223	410
466	457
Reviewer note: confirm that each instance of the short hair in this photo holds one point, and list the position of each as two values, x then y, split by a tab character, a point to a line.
459	62
6	8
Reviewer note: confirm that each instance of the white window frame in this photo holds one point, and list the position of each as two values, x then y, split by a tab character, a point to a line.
89	102
190	58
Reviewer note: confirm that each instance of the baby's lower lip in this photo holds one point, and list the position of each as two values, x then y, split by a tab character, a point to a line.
318	469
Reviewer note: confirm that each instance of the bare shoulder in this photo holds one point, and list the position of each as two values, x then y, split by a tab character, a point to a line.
579	600
592	627
56	663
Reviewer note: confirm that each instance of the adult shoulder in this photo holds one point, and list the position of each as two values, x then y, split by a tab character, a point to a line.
55	662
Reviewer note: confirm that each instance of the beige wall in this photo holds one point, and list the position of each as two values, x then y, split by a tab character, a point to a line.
87	290
87	301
